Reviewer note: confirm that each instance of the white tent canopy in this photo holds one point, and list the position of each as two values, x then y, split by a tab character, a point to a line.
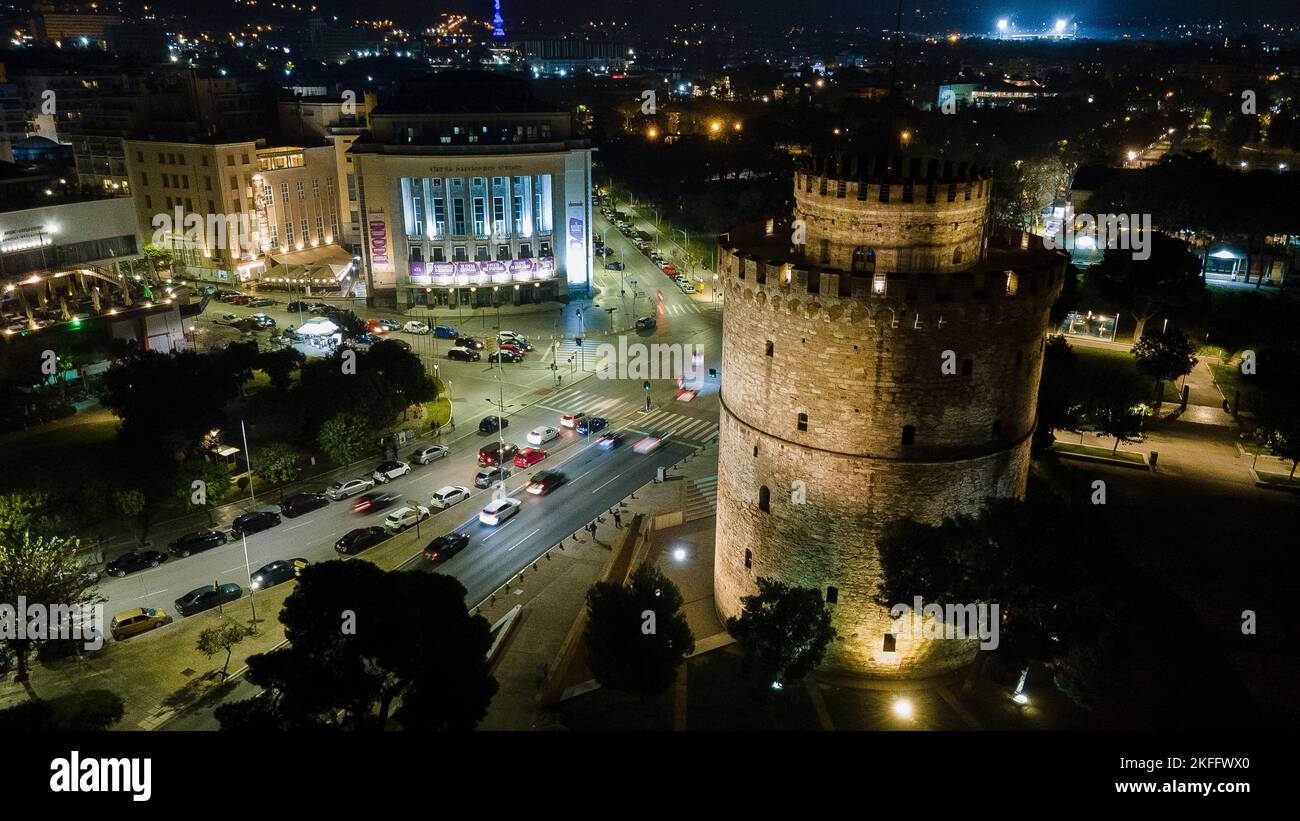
318	327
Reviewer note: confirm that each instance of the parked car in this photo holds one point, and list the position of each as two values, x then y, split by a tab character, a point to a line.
688	288
545	481
428	453
571	420
591	424
506	356
198	542
322	308
405	517
260	302
254	522
487	477
519	346
509	336
445	546
263	321
498	511
133	561
445	332
613	266
414	327
496	453
542	435
463	354
362	538
528	457
297	306
135	621
371	502
644	322
469	342
277	572
376	326
297	504
401	343
240	299
390	324
390	470
206	598
349	487
609	441
445	497
492	424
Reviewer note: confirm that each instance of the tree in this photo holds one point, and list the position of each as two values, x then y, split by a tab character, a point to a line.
1278	412
1115	392
783	631
367	646
1169	278
44	569
238	360
1165	356
26	512
350	325
226	636
346	438
130	505
280	365
277	463
1059	404
636	635
215	484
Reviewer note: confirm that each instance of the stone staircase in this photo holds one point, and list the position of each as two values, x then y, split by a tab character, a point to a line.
701	500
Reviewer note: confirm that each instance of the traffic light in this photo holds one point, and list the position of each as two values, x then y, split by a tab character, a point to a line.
577	340
646	385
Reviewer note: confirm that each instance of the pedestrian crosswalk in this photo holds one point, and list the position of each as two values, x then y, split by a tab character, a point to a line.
682	309
678	426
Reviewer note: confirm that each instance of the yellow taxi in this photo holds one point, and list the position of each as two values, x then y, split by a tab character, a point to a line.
137	620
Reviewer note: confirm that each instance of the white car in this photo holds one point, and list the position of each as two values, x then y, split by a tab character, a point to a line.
414	327
688	288
428	453
542	435
349	487
571	420
390	470
507	336
404	517
498	511
445	497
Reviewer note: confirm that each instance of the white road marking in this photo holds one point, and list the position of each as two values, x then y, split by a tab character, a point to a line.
500	528
521	541
295	527
616	475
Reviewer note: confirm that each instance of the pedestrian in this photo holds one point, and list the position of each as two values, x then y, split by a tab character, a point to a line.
618	520
453	424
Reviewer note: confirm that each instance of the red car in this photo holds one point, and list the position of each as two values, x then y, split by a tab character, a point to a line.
528	457
240	299
520	348
374	326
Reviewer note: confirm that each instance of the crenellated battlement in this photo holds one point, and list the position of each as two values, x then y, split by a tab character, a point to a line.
1014	267
892	181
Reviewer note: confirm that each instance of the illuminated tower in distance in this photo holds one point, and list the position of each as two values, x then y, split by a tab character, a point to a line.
498	23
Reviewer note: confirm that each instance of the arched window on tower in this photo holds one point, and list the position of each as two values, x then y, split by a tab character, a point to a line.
956	256
909	434
864	260
765	499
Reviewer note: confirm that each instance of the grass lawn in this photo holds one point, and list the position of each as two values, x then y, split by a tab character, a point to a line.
1279	479
1104	453
85	440
1235	386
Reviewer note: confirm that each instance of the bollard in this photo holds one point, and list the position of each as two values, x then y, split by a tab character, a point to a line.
1155	456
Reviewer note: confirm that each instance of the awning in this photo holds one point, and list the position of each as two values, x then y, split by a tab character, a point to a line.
320	255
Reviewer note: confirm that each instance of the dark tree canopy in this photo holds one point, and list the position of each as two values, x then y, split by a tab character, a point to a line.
366	646
1168	280
636	635
783	631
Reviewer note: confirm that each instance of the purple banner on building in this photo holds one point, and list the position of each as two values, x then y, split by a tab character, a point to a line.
467	272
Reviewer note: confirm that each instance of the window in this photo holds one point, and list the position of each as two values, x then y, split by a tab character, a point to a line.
765	499
315	186
749	558
244	159
230	160
864	260
803	421
416	253
139	156
503	252
144	178
481	253
320	229
203	160
755	451
207	183
909	434
302	194
303	224
832	594
274	234
329	187
771	346
167	181
458	217
284	193
181	158
956	256
458	254
334	225
439	255
545	250
480	217
890	644
288	232
1013	283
